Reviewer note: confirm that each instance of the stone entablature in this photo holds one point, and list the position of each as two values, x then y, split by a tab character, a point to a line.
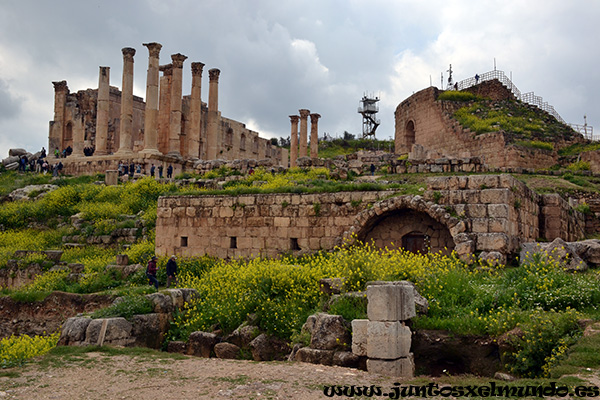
487	215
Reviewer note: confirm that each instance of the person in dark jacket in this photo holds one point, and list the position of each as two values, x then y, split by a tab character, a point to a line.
151	272
171	271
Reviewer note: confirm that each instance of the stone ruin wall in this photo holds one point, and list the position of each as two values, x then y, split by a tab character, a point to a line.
170	129
422	119
253	225
487	214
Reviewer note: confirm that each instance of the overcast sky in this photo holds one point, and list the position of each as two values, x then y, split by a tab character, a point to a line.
278	56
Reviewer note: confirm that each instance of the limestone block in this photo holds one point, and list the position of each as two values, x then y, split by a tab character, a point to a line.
176	297
314	356
493	242
498	225
480	225
390	302
149	329
163	303
401	368
497	210
476	210
346	359
74	331
111	178
201	344
227	350
495	196
330	332
109	331
359	336
388	340
267	348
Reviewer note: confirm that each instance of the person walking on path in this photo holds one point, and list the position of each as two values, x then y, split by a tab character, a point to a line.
171	271
151	272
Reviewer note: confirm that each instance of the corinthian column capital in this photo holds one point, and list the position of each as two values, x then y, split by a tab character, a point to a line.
213	74
128	53
177	60
304	113
314	117
197	68
294	118
60	86
153	48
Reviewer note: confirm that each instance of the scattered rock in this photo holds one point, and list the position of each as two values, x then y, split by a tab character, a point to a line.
201	344
227	350
314	356
268	348
330	332
243	335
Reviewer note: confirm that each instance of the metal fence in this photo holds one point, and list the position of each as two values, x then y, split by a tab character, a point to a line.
529	97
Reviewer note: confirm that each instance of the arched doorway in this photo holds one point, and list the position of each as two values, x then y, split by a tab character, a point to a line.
410	134
409	229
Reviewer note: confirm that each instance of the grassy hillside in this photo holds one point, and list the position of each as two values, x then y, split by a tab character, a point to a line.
540	300
523	124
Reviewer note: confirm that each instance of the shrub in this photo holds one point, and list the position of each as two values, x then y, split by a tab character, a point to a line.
16	350
579	166
126	307
453	95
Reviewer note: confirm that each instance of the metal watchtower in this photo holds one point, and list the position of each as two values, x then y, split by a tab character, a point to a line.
368	110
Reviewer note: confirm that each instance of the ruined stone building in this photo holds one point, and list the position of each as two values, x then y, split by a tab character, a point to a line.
167	127
424	120
489	215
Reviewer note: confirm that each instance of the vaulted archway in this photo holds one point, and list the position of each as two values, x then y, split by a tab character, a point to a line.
407	222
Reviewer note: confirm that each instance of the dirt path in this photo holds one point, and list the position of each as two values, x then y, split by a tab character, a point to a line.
96	376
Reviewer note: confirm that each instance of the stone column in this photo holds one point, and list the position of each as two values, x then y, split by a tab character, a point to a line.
176	89
193	145
303	132
57	126
294	141
213	114
78	135
164	111
314	135
151	112
126	123
102	111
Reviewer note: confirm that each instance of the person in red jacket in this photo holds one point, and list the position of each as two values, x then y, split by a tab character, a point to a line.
151	272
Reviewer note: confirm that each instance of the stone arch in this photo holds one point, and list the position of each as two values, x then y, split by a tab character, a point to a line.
410	133
389	222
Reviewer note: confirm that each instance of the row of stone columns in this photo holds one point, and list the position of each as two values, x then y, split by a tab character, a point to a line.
302	144
163	113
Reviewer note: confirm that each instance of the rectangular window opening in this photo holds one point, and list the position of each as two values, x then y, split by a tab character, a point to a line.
294	244
184	241
233	242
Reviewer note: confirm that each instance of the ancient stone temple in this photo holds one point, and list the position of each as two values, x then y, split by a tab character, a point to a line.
104	126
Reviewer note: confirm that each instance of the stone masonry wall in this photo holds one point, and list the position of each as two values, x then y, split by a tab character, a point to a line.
489	215
499	211
424	120
252	225
559	220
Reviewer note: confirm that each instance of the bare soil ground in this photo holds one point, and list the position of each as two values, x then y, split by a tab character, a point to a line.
95	376
98	376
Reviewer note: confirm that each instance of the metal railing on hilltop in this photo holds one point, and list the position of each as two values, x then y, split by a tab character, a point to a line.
529	97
